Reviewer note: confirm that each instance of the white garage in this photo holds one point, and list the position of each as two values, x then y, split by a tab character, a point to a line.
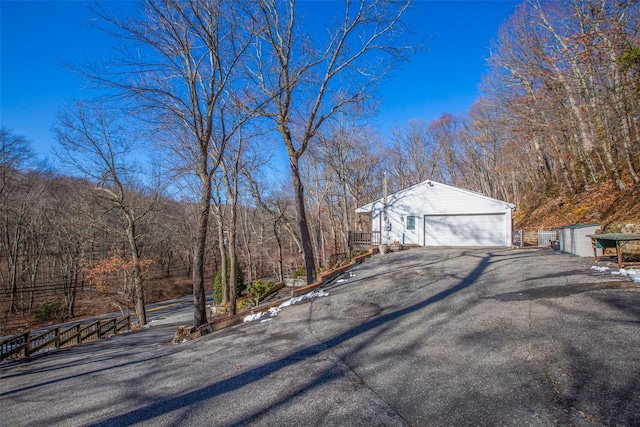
464	230
435	214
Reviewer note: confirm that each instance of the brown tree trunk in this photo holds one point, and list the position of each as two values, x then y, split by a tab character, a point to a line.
233	271
246	238
199	301
279	243
345	219
138	287
224	283
305	235
233	253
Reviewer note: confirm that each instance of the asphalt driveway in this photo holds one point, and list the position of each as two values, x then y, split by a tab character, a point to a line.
420	337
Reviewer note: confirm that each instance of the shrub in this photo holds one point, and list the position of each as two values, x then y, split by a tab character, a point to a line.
300	272
47	311
217	284
259	289
245	304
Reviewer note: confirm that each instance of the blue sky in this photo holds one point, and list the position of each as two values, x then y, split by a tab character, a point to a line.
38	36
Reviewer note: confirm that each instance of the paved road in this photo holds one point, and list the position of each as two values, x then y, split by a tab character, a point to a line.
420	337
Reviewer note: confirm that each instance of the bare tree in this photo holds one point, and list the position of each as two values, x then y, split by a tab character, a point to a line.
97	144
350	151
231	169
248	219
243	158
185	87
276	209
19	196
559	83
413	156
73	215
311	79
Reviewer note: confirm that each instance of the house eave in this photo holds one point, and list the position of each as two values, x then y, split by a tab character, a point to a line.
369	208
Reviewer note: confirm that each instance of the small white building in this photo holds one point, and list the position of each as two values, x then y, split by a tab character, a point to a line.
435	214
574	240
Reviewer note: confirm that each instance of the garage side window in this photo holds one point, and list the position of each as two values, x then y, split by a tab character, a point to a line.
411	223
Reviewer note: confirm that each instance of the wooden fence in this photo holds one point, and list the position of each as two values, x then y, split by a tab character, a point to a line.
364	238
30	343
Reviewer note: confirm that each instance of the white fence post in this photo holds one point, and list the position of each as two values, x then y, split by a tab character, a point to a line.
545	237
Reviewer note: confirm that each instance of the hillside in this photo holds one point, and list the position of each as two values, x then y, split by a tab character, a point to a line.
604	205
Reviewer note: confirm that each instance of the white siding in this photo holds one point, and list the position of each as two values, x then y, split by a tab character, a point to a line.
574	240
465	230
459	217
565	240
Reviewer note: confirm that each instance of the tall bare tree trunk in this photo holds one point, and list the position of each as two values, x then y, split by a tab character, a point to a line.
224	260
246	240
305	234
276	233
305	83
233	261
138	284
199	299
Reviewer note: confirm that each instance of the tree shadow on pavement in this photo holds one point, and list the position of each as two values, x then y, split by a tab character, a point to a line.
236	382
557	291
114	349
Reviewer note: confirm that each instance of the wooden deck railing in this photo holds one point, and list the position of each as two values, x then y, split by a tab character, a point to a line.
364	238
24	345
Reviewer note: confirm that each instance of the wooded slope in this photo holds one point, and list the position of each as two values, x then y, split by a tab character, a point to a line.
604	205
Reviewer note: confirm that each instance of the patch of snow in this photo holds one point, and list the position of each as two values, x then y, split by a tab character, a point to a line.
341	280
266	320
148	325
310	295
252	317
274	311
631	273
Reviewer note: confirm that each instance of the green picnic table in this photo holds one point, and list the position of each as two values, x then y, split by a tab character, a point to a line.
612	240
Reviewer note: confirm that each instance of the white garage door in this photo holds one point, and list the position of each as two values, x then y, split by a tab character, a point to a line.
465	230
